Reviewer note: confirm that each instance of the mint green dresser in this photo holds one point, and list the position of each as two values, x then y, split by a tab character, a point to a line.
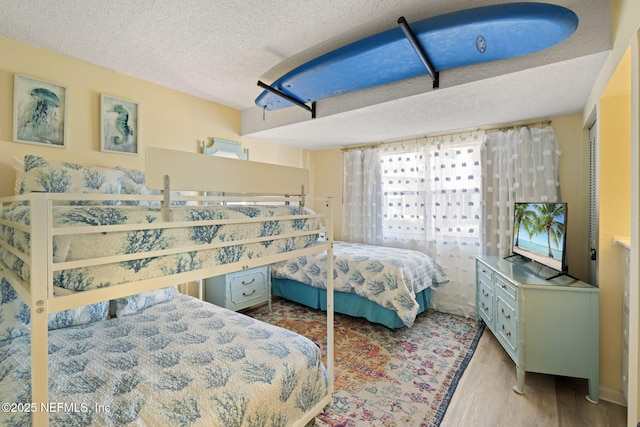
546	326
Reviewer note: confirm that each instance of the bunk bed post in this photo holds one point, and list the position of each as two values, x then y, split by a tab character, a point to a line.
39	292
330	331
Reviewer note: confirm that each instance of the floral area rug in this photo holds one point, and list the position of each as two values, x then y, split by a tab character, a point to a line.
384	377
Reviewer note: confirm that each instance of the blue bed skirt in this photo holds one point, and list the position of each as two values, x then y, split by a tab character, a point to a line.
344	303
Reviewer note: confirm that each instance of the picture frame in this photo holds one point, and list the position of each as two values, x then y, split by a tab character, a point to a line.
119	125
39	112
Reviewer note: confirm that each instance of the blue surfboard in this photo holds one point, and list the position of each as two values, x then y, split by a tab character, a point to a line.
452	40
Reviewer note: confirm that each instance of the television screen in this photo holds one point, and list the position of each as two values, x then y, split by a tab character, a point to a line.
539	231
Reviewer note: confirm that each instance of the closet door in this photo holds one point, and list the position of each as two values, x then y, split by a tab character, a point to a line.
593	204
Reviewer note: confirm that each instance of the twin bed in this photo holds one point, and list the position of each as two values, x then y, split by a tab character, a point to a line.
92	330
384	285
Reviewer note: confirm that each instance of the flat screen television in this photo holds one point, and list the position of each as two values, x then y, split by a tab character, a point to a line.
539	233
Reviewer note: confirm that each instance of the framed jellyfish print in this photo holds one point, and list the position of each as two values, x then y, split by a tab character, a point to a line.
39	112
119	130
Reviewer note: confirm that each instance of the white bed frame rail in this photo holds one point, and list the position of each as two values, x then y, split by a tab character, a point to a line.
38	294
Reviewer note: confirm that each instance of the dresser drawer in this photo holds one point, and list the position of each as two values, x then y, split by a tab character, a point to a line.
484	272
506	322
507	287
485	301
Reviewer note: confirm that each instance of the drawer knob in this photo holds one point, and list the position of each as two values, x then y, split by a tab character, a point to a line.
249	283
508	334
507	316
244	294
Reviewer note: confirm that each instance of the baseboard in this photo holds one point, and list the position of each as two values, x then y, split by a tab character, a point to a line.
613	396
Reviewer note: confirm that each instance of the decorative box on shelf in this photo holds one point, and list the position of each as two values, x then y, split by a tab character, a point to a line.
240	289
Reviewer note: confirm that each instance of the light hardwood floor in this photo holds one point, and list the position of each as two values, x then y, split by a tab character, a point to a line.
484	397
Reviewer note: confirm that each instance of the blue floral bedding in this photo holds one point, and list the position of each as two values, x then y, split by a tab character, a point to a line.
95	245
183	362
389	277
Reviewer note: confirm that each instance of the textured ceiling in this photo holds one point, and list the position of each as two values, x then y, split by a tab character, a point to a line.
219	49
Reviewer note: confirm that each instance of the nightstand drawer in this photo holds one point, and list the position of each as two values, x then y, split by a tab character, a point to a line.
247	278
248	296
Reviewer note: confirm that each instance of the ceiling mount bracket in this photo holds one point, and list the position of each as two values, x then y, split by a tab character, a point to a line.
289	98
422	54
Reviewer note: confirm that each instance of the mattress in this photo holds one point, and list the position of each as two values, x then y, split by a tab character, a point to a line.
73	247
180	362
389	277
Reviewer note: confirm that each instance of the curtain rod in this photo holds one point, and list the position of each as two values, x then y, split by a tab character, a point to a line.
485	129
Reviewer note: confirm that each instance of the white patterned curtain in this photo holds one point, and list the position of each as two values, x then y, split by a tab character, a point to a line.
430	192
454	203
403	172
519	165
362	197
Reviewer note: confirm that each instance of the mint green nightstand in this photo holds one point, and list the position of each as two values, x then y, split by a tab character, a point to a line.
240	289
546	326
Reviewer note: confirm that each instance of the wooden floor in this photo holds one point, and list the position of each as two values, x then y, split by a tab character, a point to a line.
484	397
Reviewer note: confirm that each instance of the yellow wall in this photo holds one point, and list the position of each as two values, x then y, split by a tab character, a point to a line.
168	118
614	210
326	170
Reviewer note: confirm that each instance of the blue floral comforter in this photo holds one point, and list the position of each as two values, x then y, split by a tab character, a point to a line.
181	363
388	276
95	245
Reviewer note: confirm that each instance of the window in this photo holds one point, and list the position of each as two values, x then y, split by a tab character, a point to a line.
431	192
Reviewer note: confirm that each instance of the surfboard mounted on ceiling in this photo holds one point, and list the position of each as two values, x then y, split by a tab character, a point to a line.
432	45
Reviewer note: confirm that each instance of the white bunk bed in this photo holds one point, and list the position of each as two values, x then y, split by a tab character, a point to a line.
166	170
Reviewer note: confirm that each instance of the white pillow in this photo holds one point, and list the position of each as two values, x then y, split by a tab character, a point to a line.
16	317
133	182
138	302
